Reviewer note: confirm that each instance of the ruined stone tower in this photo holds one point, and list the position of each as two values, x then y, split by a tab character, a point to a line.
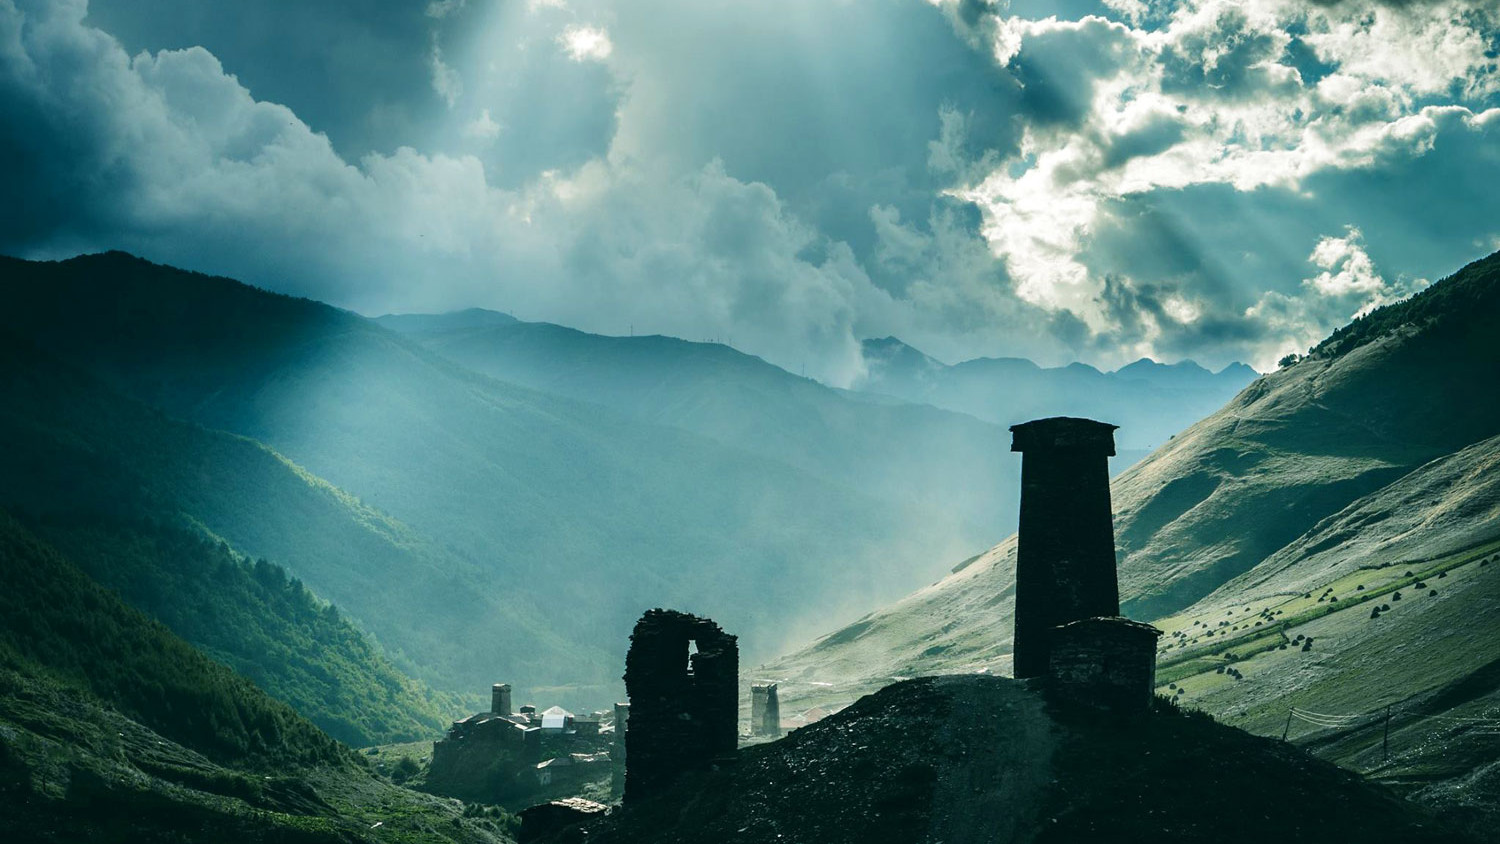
765	710
682	677
500	699
1065	558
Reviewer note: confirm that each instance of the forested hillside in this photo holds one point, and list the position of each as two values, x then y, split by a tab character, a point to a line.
253	617
114	729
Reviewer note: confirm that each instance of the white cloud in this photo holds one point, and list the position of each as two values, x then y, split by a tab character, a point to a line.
483	127
445	80
1205	98
1349	286
586	43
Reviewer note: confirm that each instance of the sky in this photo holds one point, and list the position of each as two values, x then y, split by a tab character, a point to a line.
1094	180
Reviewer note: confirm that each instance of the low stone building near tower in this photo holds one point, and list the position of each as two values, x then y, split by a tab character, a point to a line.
1104	663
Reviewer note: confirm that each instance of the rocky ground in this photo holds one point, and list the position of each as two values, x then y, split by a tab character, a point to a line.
982	759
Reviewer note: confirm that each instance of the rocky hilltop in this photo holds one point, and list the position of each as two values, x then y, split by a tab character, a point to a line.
970	759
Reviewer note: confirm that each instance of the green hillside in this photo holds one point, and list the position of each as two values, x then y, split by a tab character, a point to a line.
81	453
113	729
265	625
1365	469
59	624
508	500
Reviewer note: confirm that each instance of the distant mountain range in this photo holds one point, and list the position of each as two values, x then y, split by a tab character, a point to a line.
1150	401
1298	511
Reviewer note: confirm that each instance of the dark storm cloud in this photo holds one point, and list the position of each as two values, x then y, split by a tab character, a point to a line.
353	69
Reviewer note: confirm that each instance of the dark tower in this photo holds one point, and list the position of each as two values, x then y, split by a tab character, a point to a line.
1065	557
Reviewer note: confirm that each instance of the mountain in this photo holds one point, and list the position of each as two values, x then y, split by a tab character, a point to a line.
84	464
114	729
971	759
1296	512
1150	401
481	530
913	458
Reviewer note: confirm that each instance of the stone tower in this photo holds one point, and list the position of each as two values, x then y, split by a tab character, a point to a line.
1065	558
765	710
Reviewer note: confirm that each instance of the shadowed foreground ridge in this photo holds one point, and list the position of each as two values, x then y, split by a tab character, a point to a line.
973	758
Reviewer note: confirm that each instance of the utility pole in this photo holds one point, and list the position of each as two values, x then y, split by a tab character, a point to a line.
1385	743
1288	728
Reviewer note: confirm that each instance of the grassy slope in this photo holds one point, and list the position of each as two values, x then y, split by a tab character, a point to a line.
113	729
549	498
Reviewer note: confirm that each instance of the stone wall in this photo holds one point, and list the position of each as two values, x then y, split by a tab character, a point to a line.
1104	663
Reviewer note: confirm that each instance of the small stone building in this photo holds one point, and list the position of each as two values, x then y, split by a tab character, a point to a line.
1106	663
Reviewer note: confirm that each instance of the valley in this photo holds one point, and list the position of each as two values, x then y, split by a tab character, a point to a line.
372	519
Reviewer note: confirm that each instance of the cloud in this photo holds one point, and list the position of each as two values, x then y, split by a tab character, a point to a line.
586	43
1196	178
1203	109
483	127
1348	287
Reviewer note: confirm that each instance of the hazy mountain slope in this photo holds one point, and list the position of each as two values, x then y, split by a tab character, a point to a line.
113	729
1149	401
555	501
1442	508
1292	450
77	450
950	471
